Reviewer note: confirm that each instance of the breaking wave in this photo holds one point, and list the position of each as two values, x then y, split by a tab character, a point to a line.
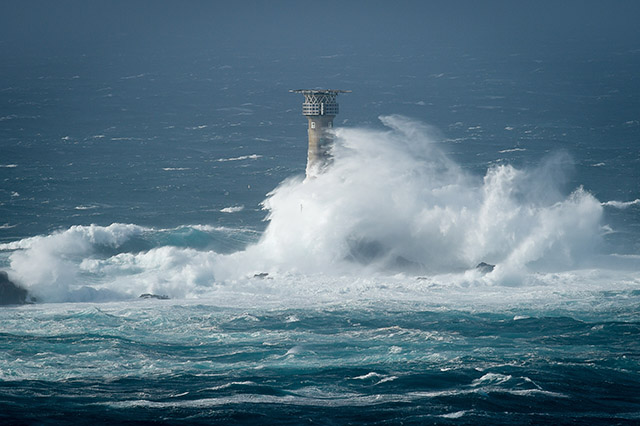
393	200
392	203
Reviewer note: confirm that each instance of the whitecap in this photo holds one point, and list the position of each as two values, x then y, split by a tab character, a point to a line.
395	349
520	317
242	157
454	415
371	375
50	266
338	400
512	150
130	77
386	379
228	385
292	319
621	204
491	378
246	317
232	209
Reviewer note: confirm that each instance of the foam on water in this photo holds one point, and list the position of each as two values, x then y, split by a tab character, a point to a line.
392	207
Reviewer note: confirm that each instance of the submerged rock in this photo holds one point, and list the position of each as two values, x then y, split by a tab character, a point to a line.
154	296
485	268
10	293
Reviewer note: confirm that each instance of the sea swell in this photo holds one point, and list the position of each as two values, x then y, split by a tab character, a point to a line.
197	362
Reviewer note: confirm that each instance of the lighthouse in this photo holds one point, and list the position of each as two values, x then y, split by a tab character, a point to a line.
320	107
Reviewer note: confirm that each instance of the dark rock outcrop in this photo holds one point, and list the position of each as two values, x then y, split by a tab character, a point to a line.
11	293
154	296
485	268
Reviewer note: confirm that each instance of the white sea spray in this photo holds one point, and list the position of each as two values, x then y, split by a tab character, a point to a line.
392	207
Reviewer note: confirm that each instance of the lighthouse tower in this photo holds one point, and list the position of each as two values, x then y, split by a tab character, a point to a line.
320	107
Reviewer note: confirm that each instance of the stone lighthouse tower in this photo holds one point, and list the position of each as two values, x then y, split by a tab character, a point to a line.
320	107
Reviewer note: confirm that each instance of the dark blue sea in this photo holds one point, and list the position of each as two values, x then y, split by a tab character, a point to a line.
173	166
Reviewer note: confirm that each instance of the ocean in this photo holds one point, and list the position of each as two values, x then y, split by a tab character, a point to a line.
350	298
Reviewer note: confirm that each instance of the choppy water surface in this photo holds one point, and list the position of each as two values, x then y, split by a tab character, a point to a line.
373	363
173	167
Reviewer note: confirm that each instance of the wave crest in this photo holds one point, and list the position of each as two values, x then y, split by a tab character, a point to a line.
394	200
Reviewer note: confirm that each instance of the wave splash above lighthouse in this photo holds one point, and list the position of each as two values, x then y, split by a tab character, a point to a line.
320	107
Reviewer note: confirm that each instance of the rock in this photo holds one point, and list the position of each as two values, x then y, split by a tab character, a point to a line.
10	293
154	296
485	268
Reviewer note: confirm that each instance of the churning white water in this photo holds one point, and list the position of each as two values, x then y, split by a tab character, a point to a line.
393	200
391	208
